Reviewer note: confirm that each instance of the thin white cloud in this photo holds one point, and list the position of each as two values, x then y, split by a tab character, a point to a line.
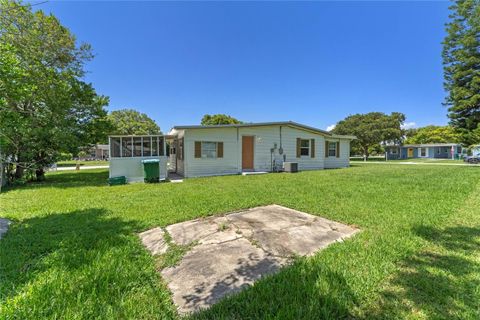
331	127
409	125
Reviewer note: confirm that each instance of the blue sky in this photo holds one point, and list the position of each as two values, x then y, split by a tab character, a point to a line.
310	62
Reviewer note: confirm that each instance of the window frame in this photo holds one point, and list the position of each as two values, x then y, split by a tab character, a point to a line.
421	152
308	148
330	143
214	143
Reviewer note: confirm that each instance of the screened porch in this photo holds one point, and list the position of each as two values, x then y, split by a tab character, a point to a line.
127	153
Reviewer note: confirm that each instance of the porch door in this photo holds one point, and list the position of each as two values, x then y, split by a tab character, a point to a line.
410	152
247	152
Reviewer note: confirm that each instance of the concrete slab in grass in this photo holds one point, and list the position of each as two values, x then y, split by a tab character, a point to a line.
235	250
210	271
154	240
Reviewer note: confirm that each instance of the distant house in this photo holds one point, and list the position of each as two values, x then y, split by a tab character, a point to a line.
97	152
100	152
429	150
194	151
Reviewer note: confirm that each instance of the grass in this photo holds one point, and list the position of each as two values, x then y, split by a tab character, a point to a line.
371	158
429	160
73	163
416	160
73	250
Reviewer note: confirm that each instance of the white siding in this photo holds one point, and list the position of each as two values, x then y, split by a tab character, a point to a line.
132	168
266	137
195	167
344	159
290	145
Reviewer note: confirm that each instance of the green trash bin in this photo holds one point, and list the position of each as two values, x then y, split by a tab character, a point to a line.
115	181
151	170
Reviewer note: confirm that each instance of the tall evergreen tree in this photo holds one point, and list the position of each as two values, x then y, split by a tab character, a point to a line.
461	59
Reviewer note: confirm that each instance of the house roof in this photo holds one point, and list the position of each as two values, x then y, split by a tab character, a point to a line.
102	146
426	145
262	124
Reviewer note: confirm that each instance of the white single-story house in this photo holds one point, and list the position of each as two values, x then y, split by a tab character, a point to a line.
195	151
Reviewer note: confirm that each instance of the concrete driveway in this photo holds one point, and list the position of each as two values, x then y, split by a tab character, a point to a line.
231	252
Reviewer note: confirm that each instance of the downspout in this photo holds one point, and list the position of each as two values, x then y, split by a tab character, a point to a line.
238	152
280	150
281	137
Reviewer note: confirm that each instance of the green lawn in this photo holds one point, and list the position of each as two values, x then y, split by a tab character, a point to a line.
371	158
416	160
73	252
429	160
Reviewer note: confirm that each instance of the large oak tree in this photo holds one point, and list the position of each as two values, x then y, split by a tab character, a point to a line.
45	106
432	134
372	129
215	119
130	121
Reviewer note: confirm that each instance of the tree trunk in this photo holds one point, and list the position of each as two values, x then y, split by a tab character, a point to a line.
40	174
19	170
365	153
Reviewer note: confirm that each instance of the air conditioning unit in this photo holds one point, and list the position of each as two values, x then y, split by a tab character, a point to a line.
290	166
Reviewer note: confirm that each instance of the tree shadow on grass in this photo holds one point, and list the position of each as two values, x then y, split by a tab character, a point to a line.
440	282
73	179
60	240
83	262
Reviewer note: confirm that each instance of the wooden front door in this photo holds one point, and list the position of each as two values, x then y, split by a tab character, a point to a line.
247	152
410	152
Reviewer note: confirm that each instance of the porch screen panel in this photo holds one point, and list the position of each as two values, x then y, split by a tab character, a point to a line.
137	147
147	146
154	146
115	147
127	145
160	145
